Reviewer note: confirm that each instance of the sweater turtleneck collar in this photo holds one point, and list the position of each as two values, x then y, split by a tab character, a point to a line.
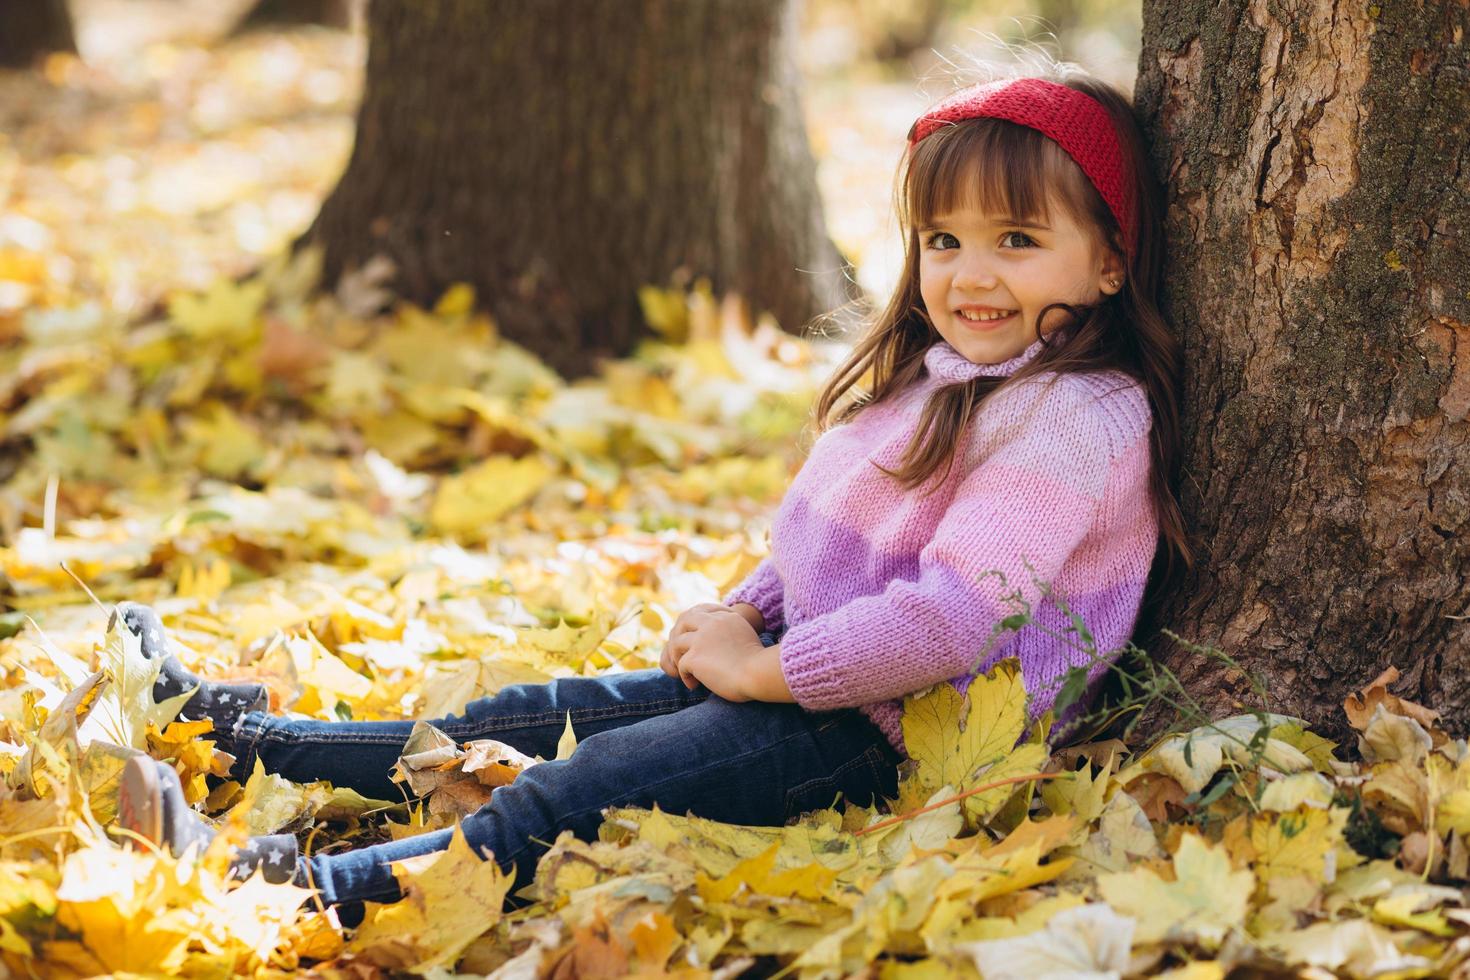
951	367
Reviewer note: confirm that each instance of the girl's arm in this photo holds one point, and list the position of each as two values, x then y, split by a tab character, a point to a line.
766	681
762	589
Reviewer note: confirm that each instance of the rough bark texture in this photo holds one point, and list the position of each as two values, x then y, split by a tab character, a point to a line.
32	29
560	155
279	13
1316	154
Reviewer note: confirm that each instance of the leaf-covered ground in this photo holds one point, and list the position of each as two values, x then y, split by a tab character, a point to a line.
387	516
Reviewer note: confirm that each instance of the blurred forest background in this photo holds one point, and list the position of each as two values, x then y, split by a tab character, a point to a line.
377	498
177	149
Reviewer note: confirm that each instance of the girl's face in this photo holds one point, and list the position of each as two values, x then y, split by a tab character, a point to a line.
985	277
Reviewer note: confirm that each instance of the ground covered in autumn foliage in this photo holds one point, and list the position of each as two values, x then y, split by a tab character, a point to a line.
386	515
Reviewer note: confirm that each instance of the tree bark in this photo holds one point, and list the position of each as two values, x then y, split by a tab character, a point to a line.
285	13
32	29
1316	154
558	156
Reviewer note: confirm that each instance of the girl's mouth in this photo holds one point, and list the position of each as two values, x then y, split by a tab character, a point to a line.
985	321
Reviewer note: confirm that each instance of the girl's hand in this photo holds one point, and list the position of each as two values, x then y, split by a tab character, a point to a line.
666	662
711	644
751	615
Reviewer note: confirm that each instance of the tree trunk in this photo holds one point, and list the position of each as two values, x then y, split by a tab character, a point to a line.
894	31
1316	155
558	156
286	13
32	29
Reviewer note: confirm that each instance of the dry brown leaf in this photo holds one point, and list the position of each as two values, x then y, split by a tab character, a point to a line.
1359	707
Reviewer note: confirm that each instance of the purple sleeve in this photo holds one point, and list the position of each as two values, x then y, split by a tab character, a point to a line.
762	589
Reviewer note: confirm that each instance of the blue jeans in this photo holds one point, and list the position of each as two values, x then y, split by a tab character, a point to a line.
643	738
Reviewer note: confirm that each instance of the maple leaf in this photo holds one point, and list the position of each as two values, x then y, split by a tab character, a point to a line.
982	872
1205	900
124	904
126	708
227	446
1402	794
654	940
356	384
494	763
486	491
965	740
58	734
1088	942
1451	783
456	779
717	848
1299	789
27	891
324	679
756	874
1299	843
450	898
227	310
568	644
291	355
1123	836
1357	946
1084	794
1388	737
253	915
181	741
925	832
1415	911
1194	758
1362	706
270	802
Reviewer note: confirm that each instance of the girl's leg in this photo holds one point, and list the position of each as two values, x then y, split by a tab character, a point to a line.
748	763
529	717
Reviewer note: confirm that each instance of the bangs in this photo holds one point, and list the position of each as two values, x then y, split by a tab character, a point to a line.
994	164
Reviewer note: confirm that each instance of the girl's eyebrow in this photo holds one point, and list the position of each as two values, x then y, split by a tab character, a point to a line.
1009	222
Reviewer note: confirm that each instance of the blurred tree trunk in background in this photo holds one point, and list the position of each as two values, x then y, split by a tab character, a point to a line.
1318	159
895	29
32	29
1060	17
268	14
560	154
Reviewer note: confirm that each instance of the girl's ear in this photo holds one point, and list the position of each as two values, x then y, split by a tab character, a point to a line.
1110	279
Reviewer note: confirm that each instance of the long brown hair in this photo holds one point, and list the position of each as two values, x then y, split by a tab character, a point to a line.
1017	170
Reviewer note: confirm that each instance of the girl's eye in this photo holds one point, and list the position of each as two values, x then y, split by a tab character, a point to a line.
1016	239
934	239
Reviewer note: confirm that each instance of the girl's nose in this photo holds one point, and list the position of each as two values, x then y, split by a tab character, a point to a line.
974	273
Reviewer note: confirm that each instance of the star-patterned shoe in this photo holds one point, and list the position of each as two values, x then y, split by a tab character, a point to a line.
221	703
150	802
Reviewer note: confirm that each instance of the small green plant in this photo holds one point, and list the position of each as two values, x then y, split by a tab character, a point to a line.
1144	684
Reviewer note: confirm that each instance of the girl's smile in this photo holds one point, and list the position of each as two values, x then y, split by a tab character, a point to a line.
986	278
983	317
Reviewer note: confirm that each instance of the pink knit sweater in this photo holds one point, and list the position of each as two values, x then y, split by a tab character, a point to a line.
882	592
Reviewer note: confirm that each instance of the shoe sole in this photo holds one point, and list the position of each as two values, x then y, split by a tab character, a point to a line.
140	800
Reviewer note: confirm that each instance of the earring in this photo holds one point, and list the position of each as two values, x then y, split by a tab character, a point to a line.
1113	283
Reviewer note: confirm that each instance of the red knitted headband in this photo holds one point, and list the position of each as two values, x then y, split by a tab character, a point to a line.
1074	120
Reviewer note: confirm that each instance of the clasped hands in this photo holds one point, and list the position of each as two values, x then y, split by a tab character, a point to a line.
719	647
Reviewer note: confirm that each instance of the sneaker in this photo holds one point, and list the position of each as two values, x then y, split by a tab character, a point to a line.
221	703
150	802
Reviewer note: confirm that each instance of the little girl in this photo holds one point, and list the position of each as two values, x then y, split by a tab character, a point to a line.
1019	418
